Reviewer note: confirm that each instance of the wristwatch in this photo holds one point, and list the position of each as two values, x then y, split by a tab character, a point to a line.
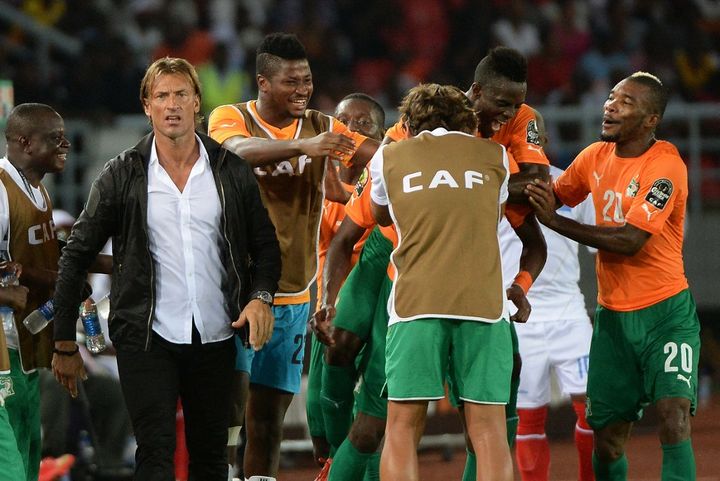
263	296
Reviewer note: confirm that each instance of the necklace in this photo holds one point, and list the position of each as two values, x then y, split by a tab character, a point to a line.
28	186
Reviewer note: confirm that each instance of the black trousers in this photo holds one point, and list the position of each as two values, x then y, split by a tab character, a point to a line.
199	374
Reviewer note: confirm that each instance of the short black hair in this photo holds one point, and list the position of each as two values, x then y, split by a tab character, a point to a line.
501	62
374	104
658	98
23	119
276	47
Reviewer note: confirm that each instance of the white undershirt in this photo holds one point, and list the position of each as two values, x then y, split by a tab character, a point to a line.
185	239
555	295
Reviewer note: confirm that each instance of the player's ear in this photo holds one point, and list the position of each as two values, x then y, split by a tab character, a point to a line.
652	121
263	83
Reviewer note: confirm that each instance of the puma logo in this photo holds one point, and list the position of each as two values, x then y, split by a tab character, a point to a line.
597	178
648	212
686	379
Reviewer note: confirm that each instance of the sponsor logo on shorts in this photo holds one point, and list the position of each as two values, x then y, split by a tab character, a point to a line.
6	387
533	135
659	193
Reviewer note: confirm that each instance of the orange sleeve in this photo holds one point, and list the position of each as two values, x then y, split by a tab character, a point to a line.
515	214
397	132
660	184
572	186
340	128
359	208
524	142
225	122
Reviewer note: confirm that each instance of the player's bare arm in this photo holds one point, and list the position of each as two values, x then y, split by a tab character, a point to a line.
381	214
625	240
258	151
334	190
365	152
532	261
337	267
518	181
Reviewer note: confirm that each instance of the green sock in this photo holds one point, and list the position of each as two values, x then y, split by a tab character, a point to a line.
678	462
316	423
336	400
348	464
470	473
511	414
372	470
615	471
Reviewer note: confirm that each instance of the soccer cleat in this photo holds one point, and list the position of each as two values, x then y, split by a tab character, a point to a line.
52	468
325	471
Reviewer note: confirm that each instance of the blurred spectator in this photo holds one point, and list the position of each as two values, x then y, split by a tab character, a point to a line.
383	48
182	39
221	82
698	71
514	29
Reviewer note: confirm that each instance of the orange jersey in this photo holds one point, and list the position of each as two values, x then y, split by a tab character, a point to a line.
648	192
333	215
520	137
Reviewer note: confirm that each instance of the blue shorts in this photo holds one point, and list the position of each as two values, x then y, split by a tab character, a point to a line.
279	364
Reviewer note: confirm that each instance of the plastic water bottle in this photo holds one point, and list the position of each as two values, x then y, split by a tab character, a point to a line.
94	338
6	313
40	317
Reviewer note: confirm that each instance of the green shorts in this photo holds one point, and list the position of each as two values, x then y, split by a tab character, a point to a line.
355	307
22	404
454	396
369	396
639	357
423	353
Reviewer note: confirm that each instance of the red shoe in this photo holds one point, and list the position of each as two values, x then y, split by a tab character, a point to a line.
325	471
53	468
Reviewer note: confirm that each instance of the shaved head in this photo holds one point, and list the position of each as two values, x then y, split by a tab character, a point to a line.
24	119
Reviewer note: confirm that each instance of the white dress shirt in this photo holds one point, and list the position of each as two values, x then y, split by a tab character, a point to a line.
185	243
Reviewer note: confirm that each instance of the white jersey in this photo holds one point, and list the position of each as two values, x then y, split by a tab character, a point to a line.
555	294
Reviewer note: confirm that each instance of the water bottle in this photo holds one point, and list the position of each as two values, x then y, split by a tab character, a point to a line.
40	317
6	313
94	338
86	450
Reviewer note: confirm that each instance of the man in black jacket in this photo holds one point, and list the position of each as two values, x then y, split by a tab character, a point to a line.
194	250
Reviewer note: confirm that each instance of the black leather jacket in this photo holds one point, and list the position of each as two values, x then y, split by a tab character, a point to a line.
117	208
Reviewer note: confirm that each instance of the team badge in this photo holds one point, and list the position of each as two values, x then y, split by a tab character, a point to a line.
362	182
533	134
659	193
632	188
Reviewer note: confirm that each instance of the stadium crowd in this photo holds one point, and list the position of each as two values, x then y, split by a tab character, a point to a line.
576	49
